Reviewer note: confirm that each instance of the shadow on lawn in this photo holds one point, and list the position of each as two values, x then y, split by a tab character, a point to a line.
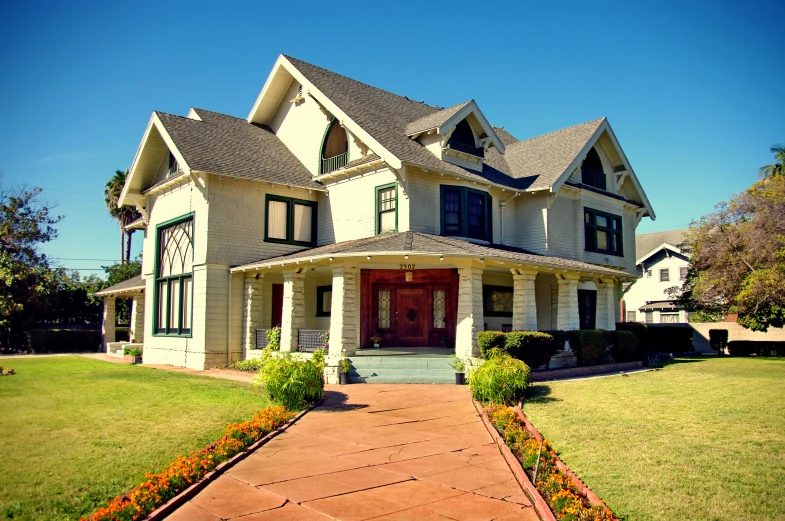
691	360
540	393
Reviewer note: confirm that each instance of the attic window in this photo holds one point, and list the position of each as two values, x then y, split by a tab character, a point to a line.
173	166
462	139
335	148
592	173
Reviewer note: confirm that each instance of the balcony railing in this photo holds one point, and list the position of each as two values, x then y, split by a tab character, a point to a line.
334	163
468	149
595	178
309	340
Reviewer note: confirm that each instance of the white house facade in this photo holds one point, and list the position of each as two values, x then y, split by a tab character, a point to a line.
339	207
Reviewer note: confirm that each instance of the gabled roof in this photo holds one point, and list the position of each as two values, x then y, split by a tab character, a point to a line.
647	244
435	119
416	243
132	285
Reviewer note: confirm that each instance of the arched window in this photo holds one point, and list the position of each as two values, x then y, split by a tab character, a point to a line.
462	138
335	148
592	173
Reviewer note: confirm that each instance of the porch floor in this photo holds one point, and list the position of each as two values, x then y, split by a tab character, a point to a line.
425	352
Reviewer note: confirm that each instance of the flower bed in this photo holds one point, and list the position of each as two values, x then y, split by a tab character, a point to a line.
554	482
187	470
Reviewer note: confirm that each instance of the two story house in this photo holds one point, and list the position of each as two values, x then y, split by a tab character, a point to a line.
336	206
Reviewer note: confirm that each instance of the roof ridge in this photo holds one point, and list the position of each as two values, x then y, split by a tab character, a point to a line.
176	116
220	114
557	130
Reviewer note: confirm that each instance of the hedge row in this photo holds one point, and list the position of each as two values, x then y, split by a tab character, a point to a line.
660	339
753	347
63	340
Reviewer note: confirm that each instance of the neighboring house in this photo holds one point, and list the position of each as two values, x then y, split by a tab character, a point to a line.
336	206
662	264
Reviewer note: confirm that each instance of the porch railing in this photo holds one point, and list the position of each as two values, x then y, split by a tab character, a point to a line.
309	340
595	178
334	163
461	147
261	338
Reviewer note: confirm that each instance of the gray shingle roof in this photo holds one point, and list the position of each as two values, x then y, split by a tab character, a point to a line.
434	119
423	243
132	284
646	242
226	145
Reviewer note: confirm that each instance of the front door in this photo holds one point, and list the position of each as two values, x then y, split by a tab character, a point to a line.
411	309
277	317
587	308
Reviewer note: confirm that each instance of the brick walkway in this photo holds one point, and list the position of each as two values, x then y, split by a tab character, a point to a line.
383	452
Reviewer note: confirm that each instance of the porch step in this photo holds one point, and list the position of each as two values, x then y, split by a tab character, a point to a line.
401	369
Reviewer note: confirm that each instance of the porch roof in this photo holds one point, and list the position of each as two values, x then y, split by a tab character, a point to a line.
132	285
663	305
416	243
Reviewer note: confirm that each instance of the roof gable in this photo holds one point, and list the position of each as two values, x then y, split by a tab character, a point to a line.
648	244
445	120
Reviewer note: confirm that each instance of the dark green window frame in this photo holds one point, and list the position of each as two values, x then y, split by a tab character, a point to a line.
463	199
592	229
291	202
168	329
379	211
487	300
320	291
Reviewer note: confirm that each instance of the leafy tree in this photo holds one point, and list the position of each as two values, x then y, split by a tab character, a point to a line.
738	257
123	214
70	303
777	168
25	276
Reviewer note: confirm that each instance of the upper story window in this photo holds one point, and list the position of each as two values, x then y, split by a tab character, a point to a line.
290	221
466	213
683	272
173	166
387	208
592	173
174	277
603	232
665	275
462	139
335	148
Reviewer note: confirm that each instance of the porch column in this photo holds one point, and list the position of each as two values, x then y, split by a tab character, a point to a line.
293	318
137	318
345	311
524	303
252	308
567	318
107	329
470	315
606	306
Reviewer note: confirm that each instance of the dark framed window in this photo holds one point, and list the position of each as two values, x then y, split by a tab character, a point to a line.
290	221
683	273
173	166
466	213
497	301
173	292
387	208
603	232
665	275
592	173
324	299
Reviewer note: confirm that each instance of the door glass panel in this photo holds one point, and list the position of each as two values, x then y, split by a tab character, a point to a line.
384	309
438	309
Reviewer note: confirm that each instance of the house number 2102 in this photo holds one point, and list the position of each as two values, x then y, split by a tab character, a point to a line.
406	266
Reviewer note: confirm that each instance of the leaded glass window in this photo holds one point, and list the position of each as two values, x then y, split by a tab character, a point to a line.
174	278
438	308
384	309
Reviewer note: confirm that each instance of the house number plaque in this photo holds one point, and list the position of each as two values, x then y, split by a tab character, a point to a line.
405	266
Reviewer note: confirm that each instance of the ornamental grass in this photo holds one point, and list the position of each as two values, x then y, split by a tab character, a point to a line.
556	488
157	489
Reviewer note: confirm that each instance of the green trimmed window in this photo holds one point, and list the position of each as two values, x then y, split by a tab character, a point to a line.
603	232
174	277
290	221
466	213
387	208
324	300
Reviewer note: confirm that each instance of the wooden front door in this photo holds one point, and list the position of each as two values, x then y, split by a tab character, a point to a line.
277	317
587	308
411	308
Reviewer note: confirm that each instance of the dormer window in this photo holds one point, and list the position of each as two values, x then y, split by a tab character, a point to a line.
592	173
173	166
462	139
335	148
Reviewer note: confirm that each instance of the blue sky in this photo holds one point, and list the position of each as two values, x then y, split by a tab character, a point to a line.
695	91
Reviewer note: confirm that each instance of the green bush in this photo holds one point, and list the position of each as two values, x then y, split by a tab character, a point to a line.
625	346
670	339
290	379
253	364
535	348
274	338
487	340
500	379
132	351
756	347
63	340
718	338
589	345
640	331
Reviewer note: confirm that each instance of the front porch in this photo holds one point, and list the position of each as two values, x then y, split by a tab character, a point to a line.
133	290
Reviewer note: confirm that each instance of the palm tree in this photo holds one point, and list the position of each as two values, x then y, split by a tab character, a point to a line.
778	166
123	214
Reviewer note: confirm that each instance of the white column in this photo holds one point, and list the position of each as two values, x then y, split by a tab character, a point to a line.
470	315
107	329
524	302
137	318
252	309
606	306
567	318
293	318
345	311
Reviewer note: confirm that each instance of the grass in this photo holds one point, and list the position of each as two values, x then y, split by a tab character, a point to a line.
76	432
701	438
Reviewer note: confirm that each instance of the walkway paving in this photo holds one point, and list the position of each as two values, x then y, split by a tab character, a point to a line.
382	452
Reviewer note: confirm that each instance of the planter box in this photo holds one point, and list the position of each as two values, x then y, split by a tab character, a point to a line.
132	359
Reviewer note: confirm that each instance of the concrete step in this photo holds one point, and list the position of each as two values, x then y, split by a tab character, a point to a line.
401	369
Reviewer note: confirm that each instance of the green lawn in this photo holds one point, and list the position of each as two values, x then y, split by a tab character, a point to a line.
701	439
76	432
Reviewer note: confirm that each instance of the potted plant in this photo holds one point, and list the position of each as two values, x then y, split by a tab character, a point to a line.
132	355
459	365
376	339
345	367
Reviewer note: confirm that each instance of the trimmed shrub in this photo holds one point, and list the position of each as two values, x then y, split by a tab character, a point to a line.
487	340
63	340
670	339
625	346
535	348
290	379
589	345
741	347
500	379
754	347
718	338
